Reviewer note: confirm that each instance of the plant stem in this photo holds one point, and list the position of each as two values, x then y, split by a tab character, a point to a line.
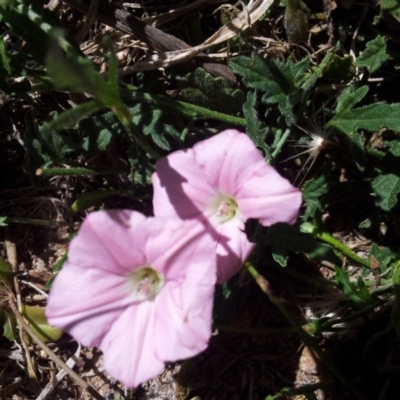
77	171
328	238
280	143
34	221
183	108
122	113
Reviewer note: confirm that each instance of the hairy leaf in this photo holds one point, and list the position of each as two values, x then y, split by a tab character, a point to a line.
386	188
374	55
384	256
256	129
6	275
357	292
201	88
280	82
372	118
312	192
284	238
350	97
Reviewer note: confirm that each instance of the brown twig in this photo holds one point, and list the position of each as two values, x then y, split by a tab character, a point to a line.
123	20
11	250
83	384
90	18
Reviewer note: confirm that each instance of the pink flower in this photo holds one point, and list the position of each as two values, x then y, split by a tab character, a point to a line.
223	181
141	289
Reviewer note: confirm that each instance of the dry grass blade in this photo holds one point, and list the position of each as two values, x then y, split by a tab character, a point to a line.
61	374
90	18
11	249
84	385
243	21
173	14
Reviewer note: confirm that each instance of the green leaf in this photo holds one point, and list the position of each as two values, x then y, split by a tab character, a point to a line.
57	267
7	2
312	192
372	118
357	292
391	6
89	199
69	70
70	118
5	59
395	315
9	323
339	68
201	88
284	238
296	21
280	82
256	129
3	221
6	274
394	149
374	55
386	187
35	315
23	27
355	145
350	97
384	256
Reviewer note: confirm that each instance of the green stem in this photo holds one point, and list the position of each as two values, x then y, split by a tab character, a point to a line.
122	113
357	314
280	143
77	171
328	238
181	107
308	340
35	221
305	389
376	153
262	331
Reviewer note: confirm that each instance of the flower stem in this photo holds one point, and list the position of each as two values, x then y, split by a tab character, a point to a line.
337	244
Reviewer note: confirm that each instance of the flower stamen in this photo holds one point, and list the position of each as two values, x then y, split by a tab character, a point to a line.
225	208
146	283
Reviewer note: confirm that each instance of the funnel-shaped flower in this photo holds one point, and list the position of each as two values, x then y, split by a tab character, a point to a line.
141	289
224	181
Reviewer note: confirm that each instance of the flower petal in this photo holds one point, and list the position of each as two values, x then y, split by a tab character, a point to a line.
94	299
85	302
266	196
232	250
227	160
179	187
184	312
109	240
129	347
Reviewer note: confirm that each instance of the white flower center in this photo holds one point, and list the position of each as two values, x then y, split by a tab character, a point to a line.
146	283
225	208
